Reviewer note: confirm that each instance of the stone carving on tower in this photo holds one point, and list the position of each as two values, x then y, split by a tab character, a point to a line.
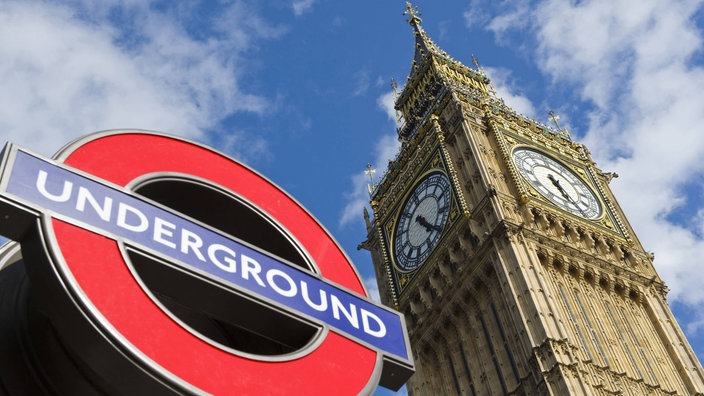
501	241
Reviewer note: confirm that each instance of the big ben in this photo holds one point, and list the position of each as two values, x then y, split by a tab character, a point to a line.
501	241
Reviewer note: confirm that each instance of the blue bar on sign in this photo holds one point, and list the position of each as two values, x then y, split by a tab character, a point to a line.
45	185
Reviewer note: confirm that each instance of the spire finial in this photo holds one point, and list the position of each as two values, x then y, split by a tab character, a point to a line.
394	95
560	132
475	61
370	172
413	14
554	118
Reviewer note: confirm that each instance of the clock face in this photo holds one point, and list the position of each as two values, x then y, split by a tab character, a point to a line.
421	221
557	183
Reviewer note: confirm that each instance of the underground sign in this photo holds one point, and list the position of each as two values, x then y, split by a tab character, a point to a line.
170	268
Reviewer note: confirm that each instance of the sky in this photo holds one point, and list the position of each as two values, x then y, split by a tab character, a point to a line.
299	90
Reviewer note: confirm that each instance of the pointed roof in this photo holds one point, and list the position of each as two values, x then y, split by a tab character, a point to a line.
423	44
433	73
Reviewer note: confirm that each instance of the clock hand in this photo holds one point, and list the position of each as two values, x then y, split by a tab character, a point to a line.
428	227
557	184
422	221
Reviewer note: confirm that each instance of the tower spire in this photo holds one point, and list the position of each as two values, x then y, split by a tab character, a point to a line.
423	44
441	71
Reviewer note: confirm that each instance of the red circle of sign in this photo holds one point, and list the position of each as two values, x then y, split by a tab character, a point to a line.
336	365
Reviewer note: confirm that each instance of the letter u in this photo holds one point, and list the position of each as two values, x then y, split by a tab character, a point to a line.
41	187
323	301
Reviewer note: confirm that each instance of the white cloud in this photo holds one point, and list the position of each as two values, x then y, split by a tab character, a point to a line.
507	90
372	288
68	70
513	15
386	103
249	28
386	149
356	199
242	145
302	6
696	325
630	62
516	17
477	14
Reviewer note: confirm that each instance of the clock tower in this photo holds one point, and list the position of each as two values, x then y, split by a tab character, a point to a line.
501	241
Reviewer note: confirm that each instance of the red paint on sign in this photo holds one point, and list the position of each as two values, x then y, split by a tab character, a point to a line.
338	365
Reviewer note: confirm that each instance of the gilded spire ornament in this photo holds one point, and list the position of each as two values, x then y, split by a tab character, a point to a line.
554	117
370	172
413	14
394	87
562	132
394	95
475	62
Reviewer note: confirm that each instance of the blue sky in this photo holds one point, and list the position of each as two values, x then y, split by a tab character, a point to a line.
300	91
